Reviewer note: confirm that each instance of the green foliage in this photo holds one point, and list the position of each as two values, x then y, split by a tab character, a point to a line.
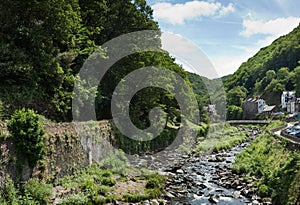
236	96
32	193
155	181
274	124
117	163
154	188
208	91
97	185
38	190
92	182
271	70
28	135
76	199
221	137
134	198
131	146
44	44
263	190
152	183
296	80
8	193
199	86
155	185
277	168
234	112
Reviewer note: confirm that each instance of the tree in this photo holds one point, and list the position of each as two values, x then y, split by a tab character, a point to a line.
282	75
234	112
43	44
28	135
236	96
284	53
270	74
34	43
296	80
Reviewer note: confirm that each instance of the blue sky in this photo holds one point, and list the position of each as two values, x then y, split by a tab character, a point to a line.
227	31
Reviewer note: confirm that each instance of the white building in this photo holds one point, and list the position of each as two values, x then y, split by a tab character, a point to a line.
260	105
288	101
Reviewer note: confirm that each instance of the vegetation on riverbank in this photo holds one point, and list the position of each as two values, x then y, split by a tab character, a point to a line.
221	136
276	167
57	172
92	185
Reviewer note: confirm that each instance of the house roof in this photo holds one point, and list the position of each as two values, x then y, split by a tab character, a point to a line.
254	100
268	108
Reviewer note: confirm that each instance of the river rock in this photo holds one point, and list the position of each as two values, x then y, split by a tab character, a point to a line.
154	202
236	194
220	159
169	195
213	199
179	171
255	202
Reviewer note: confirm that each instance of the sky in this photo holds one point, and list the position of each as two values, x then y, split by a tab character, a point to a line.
227	32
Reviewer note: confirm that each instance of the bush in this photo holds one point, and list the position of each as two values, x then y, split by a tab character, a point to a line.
234	112
116	162
76	199
134	198
152	183
38	190
276	167
28	135
263	190
108	181
8	193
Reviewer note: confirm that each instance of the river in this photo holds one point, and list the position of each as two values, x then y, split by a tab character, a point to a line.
206	179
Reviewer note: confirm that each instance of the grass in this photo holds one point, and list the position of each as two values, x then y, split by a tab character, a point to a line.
102	186
221	137
93	185
275	124
277	168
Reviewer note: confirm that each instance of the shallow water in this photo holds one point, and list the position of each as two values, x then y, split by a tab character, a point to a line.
204	175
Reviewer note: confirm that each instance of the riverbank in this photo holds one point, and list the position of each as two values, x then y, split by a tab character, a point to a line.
195	176
208	178
260	171
276	166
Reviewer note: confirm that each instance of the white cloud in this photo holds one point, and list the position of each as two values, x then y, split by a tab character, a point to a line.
227	9
178	13
276	27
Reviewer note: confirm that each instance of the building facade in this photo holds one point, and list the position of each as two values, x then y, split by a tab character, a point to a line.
288	101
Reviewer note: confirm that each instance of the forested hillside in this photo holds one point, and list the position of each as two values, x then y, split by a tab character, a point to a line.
273	69
43	45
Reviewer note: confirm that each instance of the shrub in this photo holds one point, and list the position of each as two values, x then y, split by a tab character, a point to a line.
263	190
152	183
38	190
76	199
8	192
105	173
116	162
108	181
28	135
134	198
276	167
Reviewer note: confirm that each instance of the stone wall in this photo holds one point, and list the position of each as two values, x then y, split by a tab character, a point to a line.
70	147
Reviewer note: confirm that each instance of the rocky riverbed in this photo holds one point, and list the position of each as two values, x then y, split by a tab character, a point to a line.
205	179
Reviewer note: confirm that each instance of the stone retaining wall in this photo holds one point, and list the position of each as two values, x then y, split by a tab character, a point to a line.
69	147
